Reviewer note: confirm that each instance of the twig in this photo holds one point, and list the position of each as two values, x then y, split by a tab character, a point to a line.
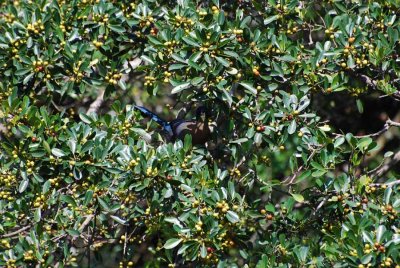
368	80
80	229
389	123
94	107
376	169
310	39
386	167
392	123
292	177
320	205
16	232
289	180
388	184
55	239
86	222
374	85
125	243
3	130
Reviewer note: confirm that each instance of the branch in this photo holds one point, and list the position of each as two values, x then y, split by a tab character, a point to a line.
389	123
16	232
368	80
3	129
388	184
94	107
289	180
320	205
386	167
392	123
374	85
86	222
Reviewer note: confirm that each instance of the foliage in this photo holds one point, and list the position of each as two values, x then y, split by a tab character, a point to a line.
275	187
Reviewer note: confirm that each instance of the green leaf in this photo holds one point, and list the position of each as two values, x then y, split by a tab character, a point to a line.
103	204
23	185
73	232
318	173
37	215
72	145
364	142
190	41
241	140
116	28
367	237
366	259
28	78
224	62
203	251
339	141
58	152
360	106
23	71
46	187
196	81
85	118
292	127
263	263
143	133
180	87
221	18
232	216
380	232
270	19
118	219
172	242
317	165
147	59
298	197
227	96
68	199
249	87
351	218
387	195
88	197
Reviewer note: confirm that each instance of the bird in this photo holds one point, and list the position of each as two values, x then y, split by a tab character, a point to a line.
177	129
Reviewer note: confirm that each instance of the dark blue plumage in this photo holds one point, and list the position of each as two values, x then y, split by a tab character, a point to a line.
165	125
178	128
152	115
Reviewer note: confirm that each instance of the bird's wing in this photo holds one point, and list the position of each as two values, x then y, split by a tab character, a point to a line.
166	126
152	115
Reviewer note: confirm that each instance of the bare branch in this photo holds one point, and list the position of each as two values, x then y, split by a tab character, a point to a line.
368	80
94	107
320	205
3	129
289	180
388	184
86	222
389	123
386	167
374	85
392	123
16	232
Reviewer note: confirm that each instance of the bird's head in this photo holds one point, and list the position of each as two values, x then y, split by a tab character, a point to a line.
201	114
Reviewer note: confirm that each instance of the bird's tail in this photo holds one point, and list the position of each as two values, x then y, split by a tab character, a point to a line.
152	115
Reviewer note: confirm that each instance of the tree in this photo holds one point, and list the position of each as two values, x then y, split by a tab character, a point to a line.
87	181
